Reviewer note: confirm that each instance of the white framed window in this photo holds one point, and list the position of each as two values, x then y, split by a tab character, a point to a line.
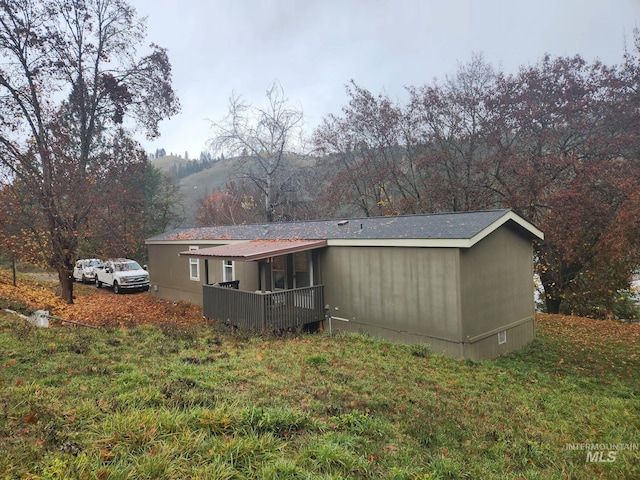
227	270
502	337
194	266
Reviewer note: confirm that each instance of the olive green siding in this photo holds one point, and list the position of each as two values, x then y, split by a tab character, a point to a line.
170	274
497	295
412	290
458	300
496	284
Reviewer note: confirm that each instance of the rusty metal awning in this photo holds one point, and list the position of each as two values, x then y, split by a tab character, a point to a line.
255	249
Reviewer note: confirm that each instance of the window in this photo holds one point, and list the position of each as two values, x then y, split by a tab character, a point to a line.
227	270
302	269
278	267
502	337
194	266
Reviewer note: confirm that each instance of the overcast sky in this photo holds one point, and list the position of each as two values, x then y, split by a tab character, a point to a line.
314	47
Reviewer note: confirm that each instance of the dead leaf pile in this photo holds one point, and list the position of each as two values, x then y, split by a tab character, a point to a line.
600	347
100	307
589	333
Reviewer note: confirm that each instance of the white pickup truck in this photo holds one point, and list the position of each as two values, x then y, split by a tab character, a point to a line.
122	274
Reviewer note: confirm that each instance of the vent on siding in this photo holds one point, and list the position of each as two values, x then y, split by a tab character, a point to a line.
502	337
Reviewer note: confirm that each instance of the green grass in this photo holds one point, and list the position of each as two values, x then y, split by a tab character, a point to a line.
160	402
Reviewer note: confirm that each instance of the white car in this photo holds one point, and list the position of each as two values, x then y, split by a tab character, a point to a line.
122	274
85	270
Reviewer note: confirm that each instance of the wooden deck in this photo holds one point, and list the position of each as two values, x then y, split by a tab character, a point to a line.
268	311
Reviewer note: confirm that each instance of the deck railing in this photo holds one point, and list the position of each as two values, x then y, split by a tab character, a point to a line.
264	311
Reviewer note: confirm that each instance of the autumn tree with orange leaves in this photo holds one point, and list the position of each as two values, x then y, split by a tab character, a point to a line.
223	208
70	76
21	234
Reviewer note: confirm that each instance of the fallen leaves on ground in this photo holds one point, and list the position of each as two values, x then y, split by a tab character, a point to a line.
38	295
600	347
129	309
100	307
589	333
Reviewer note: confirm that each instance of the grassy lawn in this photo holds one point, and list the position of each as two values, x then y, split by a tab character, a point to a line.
171	397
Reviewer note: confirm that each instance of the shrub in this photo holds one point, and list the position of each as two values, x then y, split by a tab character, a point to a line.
625	306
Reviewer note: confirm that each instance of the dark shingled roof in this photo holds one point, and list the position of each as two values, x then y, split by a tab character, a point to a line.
459	225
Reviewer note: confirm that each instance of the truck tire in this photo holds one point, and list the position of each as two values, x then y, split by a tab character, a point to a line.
116	287
98	283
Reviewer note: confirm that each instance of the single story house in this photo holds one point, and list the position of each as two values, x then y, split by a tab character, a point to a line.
461	282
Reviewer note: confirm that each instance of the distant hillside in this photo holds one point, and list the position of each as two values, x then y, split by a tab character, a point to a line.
194	186
167	163
203	183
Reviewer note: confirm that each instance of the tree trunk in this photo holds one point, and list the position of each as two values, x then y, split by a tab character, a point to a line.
66	284
13	270
267	200
553	304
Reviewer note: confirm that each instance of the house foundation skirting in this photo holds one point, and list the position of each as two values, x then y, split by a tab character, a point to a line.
513	337
175	294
